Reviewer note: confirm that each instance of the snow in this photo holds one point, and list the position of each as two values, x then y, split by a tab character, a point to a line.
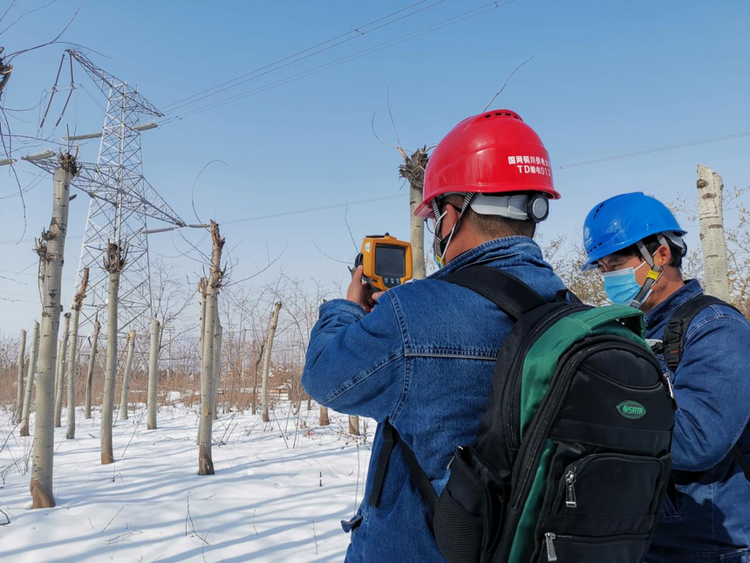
279	492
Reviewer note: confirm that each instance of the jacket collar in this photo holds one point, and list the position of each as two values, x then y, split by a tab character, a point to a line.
508	251
666	308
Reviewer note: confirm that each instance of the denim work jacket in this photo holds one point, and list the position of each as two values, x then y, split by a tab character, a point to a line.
424	359
710	509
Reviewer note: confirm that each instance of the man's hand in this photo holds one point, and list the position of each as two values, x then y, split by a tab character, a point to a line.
361	293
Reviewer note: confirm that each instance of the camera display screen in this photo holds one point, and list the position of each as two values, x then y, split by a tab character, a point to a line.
390	261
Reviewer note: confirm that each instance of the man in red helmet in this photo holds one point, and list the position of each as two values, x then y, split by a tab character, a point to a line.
421	356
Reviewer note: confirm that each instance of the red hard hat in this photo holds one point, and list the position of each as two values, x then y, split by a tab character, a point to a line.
490	153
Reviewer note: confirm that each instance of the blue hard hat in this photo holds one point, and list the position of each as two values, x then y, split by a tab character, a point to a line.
623	220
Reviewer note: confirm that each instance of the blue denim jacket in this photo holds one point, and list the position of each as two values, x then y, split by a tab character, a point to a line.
712	388
423	358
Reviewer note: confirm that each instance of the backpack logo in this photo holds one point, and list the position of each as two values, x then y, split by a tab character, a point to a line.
631	410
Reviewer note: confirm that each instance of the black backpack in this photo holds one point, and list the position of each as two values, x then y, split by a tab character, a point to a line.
673	347
572	454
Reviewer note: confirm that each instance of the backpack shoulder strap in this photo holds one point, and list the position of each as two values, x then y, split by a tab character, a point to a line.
674	346
515	299
420	478
510	294
677	327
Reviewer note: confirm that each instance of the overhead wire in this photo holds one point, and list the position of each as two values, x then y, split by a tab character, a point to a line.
384	198
337	62
357	32
653	150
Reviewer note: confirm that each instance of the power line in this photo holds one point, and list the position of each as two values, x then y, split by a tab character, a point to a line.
364	52
139	22
653	150
356	32
313	209
384	198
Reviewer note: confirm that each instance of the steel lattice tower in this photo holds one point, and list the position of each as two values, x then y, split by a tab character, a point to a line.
121	200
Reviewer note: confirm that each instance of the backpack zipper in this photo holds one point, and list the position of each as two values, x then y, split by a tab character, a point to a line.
530	450
570	494
550	538
668	381
512	390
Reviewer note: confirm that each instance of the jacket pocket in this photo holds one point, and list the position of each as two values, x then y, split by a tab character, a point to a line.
468	516
581	549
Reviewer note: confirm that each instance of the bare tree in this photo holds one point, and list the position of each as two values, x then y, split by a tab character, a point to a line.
70	432
324	419
711	220
211	289
354	425
126	376
92	365
18	415
33	356
51	250
413	170
217	363
267	360
114	263
567	262
153	373
61	365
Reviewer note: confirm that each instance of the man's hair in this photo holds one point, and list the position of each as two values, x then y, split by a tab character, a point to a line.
652	244
494	226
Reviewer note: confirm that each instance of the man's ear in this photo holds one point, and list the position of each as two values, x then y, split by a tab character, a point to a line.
663	256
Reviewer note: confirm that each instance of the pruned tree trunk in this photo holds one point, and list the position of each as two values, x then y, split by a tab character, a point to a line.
255	378
267	360
711	221
18	415
153	374
217	364
114	264
126	376
33	355
58	372
205	461
51	250
169	354
354	425
70	432
62	364
92	365
202	291
413	171
211	288
324	420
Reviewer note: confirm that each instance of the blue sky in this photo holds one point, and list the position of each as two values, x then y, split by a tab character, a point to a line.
606	78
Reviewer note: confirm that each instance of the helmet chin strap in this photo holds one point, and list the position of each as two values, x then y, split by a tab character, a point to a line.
440	246
654	273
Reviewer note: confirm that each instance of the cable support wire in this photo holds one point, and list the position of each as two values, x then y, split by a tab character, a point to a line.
337	62
653	150
384	198
356	33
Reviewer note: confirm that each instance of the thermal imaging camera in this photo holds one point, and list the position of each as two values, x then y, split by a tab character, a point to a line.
386	260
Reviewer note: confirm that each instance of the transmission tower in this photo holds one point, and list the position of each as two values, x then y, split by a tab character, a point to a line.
120	202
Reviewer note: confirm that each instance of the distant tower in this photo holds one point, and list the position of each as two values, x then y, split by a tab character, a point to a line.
121	200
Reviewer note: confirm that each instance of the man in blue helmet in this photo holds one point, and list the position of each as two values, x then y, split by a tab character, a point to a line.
636	244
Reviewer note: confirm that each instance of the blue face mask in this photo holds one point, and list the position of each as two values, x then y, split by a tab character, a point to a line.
621	286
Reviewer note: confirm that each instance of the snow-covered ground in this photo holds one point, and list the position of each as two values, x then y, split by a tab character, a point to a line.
279	491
